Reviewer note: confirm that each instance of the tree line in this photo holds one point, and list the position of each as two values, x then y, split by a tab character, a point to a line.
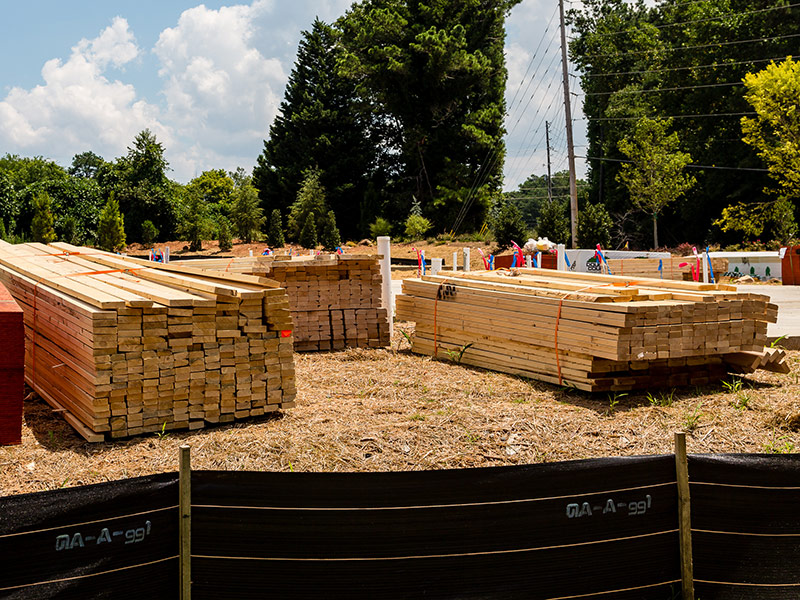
392	117
708	86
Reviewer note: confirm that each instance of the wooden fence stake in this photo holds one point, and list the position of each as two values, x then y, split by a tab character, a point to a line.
185	508
684	516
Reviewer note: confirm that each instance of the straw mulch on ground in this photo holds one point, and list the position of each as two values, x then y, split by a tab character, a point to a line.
390	410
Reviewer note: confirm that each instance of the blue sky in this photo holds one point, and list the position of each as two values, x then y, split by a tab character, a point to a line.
207	79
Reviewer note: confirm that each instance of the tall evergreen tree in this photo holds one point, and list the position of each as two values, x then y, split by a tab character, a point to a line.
322	124
436	70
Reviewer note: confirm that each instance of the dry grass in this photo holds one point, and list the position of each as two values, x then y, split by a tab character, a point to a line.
390	410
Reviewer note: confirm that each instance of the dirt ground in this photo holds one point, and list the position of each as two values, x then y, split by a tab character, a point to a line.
391	410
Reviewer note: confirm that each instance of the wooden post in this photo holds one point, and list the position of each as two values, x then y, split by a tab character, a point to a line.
185	509
684	516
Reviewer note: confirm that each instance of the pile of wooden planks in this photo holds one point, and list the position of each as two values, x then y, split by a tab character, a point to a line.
335	300
12	359
594	332
125	347
669	268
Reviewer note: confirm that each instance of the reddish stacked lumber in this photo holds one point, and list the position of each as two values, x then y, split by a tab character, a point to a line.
12	360
335	300
126	348
593	332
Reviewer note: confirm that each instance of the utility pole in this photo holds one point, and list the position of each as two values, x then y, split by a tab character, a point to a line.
549	179
573	186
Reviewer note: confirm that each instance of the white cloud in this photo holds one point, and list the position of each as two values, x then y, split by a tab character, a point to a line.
221	92
77	107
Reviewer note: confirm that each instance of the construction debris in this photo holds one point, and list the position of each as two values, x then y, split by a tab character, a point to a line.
589	331
123	347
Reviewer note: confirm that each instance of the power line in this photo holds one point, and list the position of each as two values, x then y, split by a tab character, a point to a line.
698	47
739	114
713	65
672	89
703	20
691	166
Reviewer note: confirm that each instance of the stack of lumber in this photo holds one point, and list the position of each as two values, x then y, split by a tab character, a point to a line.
126	347
335	300
594	332
12	358
670	268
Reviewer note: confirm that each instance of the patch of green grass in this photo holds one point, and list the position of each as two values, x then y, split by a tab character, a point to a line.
613	400
417	417
457	355
662	399
693	419
780	445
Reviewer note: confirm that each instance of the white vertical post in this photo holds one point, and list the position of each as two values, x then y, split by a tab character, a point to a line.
455	261
166	254
704	260
436	265
385	249
466	259
561	263
251	252
529	261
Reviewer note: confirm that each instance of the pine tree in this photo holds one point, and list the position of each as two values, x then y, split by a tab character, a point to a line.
322	123
111	229
247	215
42	224
310	199
308	235
275	233
436	71
329	234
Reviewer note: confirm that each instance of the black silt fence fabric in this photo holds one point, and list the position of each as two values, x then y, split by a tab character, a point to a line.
746	526
72	538
537	531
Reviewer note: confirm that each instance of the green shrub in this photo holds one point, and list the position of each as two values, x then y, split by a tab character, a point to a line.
149	233
225	237
509	225
380	227
416	227
594	226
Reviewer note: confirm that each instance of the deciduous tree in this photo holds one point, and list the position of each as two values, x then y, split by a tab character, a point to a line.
655	174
